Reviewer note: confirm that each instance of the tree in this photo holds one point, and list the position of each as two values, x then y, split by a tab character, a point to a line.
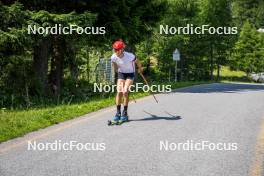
248	54
217	13
247	10
47	60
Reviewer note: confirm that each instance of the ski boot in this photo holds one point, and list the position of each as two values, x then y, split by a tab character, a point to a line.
115	120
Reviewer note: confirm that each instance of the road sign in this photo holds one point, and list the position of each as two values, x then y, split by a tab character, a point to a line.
176	55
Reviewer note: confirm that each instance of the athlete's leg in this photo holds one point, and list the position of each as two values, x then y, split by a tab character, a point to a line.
119	87
127	85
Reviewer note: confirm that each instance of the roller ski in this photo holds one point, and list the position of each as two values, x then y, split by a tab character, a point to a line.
115	120
118	119
123	118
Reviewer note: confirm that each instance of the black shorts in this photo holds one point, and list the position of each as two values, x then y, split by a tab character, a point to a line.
125	76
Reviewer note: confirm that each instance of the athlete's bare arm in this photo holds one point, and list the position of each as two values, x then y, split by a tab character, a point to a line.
115	66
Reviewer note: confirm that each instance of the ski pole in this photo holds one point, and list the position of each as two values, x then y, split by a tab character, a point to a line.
134	99
146	82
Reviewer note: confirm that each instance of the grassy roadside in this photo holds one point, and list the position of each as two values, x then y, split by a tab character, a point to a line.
19	122
228	75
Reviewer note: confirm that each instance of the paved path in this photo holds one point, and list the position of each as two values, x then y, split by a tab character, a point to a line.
230	116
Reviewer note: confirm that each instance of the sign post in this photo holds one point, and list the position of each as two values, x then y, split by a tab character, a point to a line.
176	57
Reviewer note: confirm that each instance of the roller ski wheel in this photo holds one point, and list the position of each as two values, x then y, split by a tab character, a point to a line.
119	122
112	122
115	120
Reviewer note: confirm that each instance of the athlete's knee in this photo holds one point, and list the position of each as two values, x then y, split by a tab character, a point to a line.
125	93
119	94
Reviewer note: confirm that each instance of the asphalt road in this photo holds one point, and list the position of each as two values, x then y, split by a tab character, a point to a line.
229	117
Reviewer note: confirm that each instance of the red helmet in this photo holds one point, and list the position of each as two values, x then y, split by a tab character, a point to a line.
118	45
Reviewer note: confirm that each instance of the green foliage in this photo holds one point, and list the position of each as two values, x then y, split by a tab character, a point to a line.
26	82
16	49
248	10
248	54
13	37
20	84
137	22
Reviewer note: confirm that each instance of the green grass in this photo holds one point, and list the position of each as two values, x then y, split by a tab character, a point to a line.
228	75
19	122
226	72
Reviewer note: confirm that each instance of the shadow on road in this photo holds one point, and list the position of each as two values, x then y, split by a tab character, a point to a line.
155	117
222	88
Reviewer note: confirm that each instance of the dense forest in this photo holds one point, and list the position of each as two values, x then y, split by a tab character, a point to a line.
39	69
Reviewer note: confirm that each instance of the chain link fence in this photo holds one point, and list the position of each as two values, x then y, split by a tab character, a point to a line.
104	72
